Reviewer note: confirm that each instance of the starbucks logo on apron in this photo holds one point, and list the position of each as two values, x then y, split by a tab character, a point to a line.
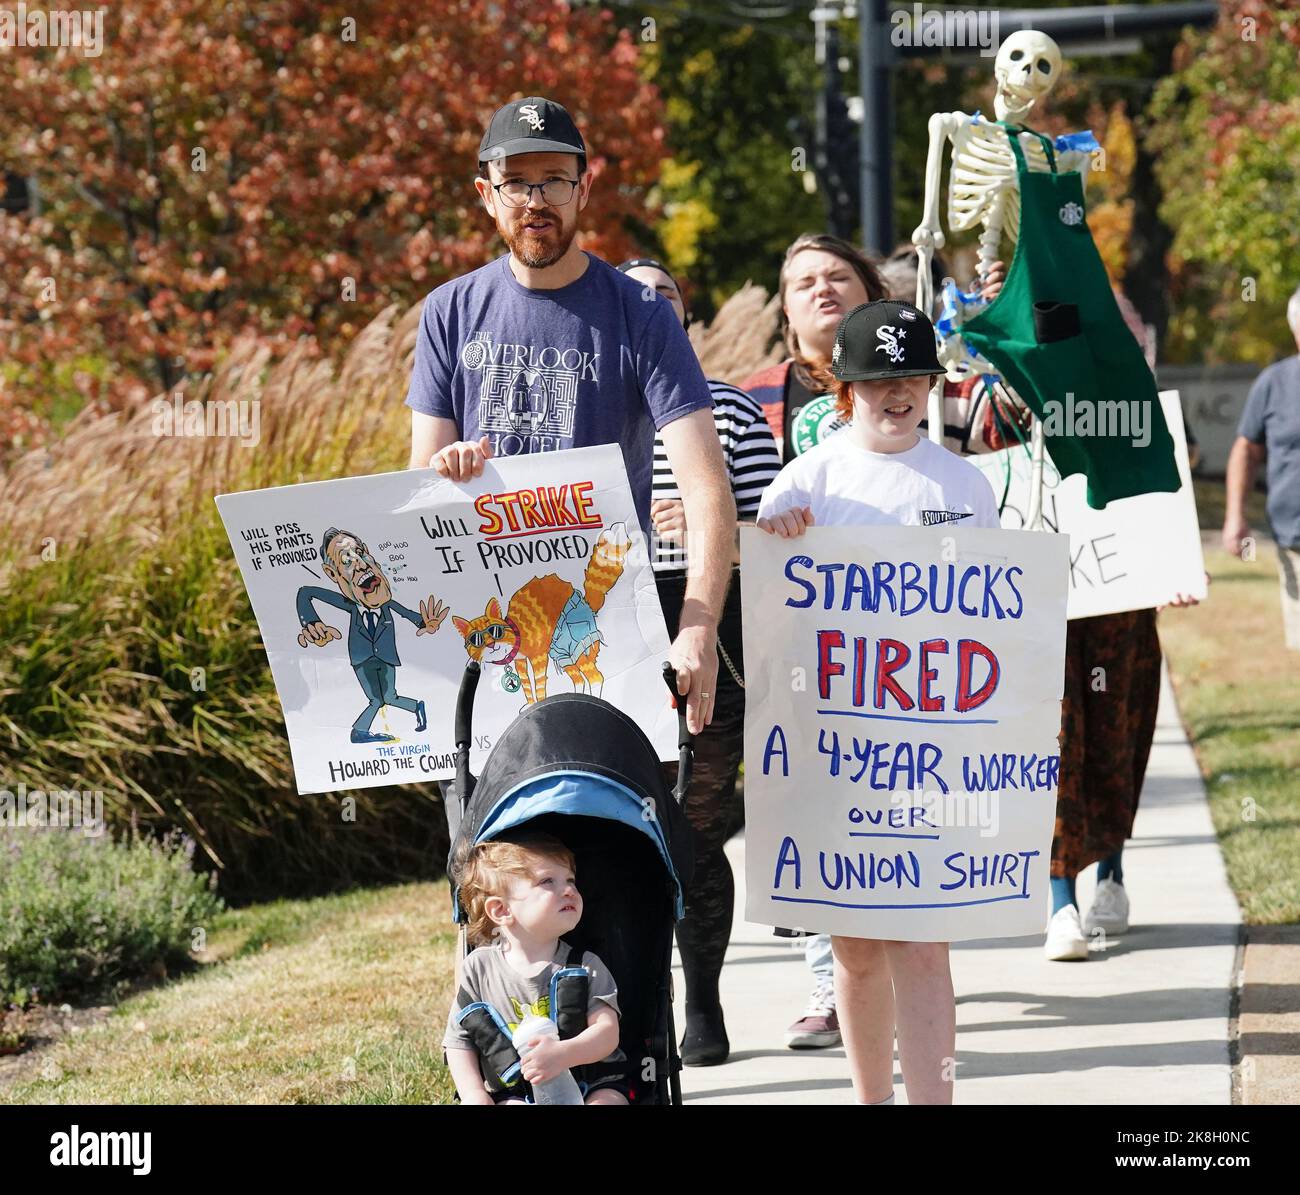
815	421
1071	214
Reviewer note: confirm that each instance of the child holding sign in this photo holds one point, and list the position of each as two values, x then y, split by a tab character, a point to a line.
878	470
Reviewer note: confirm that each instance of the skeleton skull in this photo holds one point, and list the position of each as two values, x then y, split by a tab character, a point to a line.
1027	68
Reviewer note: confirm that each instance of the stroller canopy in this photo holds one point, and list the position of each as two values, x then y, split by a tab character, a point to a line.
574	754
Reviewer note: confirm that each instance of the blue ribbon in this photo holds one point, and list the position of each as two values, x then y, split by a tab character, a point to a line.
953	300
1084	142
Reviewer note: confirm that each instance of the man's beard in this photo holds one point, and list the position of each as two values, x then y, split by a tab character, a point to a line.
539	252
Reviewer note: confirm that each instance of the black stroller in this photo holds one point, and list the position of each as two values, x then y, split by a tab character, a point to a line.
577	768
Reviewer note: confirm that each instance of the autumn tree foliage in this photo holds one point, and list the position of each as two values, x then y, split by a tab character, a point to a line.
1227	133
284	169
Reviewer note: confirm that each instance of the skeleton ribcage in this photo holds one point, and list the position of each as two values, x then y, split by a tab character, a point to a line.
983	169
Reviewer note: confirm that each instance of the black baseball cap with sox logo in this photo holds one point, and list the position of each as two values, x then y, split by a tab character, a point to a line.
884	339
532	125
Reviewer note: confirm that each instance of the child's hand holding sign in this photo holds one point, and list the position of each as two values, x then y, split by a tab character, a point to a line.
789	524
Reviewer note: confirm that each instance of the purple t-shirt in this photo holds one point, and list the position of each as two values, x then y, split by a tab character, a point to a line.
594	362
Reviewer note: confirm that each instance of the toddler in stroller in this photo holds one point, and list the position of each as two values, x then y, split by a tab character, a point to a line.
519	897
573	769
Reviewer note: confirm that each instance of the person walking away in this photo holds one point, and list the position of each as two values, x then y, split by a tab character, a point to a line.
1269	435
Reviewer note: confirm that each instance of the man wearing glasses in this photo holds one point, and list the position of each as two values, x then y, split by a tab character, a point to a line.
549	347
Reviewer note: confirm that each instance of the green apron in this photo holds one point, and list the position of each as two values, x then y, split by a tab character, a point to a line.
1057	336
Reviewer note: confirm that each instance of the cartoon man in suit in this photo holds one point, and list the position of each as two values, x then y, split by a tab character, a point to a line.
365	594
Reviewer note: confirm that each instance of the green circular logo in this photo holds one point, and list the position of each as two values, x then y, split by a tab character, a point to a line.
814	422
510	681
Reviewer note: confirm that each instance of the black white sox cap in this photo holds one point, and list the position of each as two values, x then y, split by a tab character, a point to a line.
884	339
532	125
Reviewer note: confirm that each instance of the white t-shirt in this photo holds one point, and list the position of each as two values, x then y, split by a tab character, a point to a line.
846	485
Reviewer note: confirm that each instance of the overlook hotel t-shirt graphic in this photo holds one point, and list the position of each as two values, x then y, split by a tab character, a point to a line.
603	360
526	392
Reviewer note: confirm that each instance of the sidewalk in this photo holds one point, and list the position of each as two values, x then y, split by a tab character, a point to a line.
1145	1021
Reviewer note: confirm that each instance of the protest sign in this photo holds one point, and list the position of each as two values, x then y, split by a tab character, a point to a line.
903	701
373	592
1136	553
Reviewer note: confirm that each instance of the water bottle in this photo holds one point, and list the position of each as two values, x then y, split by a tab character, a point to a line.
563	1088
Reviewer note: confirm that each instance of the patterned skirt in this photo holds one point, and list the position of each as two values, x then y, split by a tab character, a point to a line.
1108	719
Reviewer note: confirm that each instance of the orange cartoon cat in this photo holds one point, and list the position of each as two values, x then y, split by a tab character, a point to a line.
548	619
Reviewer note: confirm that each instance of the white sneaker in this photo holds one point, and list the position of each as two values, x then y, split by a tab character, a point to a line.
1109	912
1065	940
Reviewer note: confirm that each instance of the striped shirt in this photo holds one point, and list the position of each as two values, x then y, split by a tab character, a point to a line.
750	454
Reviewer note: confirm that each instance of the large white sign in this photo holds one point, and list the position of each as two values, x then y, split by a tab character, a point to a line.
903	702
1136	553
372	593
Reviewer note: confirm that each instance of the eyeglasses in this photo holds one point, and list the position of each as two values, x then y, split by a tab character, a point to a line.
489	634
555	191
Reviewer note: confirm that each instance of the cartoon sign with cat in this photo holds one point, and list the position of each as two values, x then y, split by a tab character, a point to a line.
548	621
539	565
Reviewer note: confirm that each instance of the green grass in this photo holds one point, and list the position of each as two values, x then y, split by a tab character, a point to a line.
1240	701
339	1000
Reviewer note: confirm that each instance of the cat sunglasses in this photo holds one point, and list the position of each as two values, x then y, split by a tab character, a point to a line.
490	634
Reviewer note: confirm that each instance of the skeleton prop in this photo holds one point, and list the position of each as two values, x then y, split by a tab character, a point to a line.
984	190
1060	281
